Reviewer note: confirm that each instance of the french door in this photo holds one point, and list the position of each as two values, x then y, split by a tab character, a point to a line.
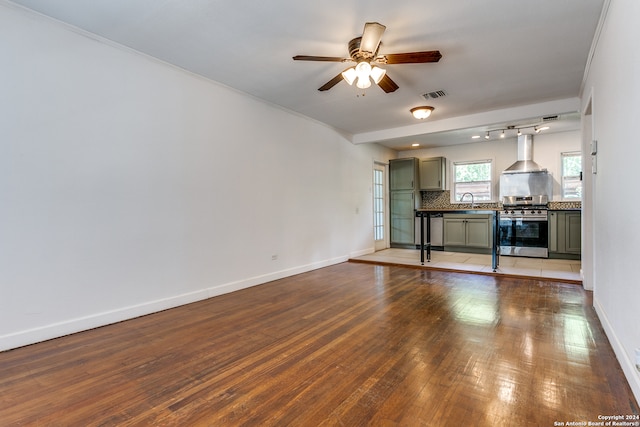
380	229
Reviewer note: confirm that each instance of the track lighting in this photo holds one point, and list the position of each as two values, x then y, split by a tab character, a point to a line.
504	131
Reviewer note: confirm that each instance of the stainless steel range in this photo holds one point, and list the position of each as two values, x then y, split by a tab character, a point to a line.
524	226
525	190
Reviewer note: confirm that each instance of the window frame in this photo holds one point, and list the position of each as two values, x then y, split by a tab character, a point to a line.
491	181
573	178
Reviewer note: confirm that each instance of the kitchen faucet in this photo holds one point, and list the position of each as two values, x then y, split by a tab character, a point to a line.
464	194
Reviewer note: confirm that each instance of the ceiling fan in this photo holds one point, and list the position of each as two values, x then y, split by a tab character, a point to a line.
364	52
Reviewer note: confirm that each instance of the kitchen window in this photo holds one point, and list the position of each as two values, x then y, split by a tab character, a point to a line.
571	176
473	177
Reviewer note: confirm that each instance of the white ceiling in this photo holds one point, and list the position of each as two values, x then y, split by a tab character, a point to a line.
497	55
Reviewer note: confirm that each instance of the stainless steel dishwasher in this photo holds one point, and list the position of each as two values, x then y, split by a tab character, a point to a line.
437	231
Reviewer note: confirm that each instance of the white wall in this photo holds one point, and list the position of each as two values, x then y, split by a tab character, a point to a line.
547	150
129	186
613	88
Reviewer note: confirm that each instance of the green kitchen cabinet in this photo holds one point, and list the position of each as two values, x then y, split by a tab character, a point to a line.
433	174
402	208
404	199
403	174
455	231
565	234
467	232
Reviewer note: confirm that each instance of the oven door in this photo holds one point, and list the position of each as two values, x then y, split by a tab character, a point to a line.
524	236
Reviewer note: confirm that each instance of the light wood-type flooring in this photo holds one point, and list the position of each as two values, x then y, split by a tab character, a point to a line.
353	344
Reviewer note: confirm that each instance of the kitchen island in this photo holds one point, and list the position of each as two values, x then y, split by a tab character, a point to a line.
465	216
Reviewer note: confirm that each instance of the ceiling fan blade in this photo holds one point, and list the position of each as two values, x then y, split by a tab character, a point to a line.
331	83
320	58
413	57
388	85
371	37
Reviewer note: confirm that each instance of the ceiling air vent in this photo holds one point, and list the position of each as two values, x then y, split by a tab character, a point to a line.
550	119
435	94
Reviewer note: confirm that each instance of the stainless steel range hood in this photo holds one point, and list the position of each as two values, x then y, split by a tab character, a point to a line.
525	178
525	161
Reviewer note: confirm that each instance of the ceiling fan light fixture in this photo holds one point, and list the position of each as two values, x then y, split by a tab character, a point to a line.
363	82
364	51
377	74
349	75
363	69
421	112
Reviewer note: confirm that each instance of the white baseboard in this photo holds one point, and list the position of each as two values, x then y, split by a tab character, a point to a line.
67	327
627	365
362	252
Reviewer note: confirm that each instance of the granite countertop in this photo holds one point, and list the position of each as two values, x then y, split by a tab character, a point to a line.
441	202
469	209
485	210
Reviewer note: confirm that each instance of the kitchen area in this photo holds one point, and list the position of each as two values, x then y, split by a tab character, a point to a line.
526	221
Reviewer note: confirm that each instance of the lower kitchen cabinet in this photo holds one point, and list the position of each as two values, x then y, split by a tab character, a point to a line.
565	234
402	206
467	233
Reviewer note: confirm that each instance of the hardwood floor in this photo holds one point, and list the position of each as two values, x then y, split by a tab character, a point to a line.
352	344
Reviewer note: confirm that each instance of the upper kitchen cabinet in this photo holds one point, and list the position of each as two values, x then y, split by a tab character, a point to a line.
433	174
403	174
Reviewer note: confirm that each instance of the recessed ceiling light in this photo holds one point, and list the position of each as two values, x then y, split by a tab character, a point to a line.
415	145
475	137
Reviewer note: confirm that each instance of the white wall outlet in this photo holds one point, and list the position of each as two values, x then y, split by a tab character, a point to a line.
274	257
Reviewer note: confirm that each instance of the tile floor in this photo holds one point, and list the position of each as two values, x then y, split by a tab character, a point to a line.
559	269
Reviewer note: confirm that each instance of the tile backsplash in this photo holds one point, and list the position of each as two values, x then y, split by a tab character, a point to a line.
442	200
564	205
